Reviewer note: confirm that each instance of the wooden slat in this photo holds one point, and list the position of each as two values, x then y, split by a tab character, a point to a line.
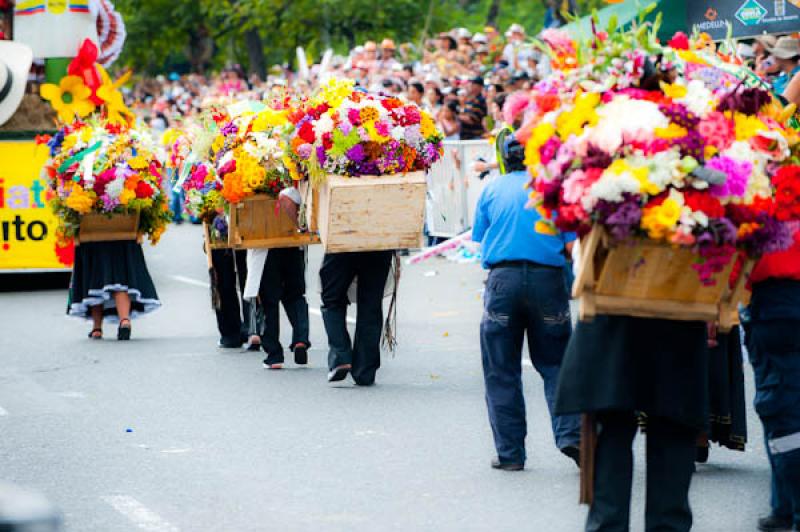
372	213
97	227
651	308
260	222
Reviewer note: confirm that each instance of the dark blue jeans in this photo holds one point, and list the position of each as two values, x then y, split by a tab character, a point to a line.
774	348
520	300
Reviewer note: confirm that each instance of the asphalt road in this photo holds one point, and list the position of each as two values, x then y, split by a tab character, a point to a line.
168	433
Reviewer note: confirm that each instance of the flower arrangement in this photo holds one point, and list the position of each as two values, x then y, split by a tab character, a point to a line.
98	167
344	131
658	142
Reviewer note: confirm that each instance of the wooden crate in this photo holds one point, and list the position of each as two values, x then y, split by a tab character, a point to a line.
652	280
260	222
370	213
96	227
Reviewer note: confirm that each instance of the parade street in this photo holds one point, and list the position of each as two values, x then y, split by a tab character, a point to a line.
168	432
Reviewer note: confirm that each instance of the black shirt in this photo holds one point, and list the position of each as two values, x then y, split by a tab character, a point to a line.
475	108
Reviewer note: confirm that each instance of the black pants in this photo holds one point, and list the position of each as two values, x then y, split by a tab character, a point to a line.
670	465
233	316
283	281
337	274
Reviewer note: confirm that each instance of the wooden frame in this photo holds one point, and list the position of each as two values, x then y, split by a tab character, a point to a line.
260	222
213	244
97	227
370	213
653	280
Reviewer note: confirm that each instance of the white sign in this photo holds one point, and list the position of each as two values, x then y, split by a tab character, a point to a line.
54	28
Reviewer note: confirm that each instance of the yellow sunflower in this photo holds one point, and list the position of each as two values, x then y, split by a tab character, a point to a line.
69	98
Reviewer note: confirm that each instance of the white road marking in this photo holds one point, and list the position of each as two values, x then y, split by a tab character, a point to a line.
194	282
139	514
3	411
189	280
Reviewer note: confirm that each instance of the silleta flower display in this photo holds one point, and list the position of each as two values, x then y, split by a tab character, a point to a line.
96	167
343	130
662	142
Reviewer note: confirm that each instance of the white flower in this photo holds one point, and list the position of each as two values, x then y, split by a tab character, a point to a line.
115	187
324	124
611	186
698	99
623	116
663	168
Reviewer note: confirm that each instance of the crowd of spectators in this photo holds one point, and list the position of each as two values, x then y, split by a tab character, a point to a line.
462	78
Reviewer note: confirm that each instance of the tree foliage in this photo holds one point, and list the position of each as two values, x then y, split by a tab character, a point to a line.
188	35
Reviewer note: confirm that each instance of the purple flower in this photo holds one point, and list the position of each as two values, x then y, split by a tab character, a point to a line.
321	155
623	222
109	203
345	127
304	150
356	153
595	158
738	173
772	237
229	129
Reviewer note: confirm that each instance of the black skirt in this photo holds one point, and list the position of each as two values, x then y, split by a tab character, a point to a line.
102	268
727	422
658	367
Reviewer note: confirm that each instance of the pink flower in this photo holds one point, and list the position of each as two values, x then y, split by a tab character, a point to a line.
578	183
383	128
717	130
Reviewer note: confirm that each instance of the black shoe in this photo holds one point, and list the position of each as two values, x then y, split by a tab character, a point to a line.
226	344
497	464
573	452
96	334
272	365
339	373
124	331
701	454
301	354
773	523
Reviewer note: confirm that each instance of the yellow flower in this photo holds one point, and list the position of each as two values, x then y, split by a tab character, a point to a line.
573	121
69	142
170	136
368	115
80	200
710	151
117	111
69	98
427	127
335	91
269	118
673	131
674	90
747	126
292	167
218	143
539	136
138	163
126	195
660	220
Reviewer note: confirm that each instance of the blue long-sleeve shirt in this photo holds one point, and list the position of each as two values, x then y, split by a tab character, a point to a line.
505	227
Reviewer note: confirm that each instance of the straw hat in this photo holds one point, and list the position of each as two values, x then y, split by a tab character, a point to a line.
785	48
767	40
15	63
387	44
370	46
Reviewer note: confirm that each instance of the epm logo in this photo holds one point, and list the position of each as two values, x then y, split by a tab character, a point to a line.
751	13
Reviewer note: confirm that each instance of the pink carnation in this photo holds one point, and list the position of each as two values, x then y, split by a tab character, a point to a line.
717	130
737	172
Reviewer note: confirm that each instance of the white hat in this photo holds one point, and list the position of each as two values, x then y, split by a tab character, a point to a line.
480	38
463	33
515	28
15	63
785	48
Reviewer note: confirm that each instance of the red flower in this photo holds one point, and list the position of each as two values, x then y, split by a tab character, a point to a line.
391	103
327	143
787	193
679	41
705	203
65	254
143	190
42	139
307	133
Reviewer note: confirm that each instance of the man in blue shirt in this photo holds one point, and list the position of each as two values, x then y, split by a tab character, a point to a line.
526	292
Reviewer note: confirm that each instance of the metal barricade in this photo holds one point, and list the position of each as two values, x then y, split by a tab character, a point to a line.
454	187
